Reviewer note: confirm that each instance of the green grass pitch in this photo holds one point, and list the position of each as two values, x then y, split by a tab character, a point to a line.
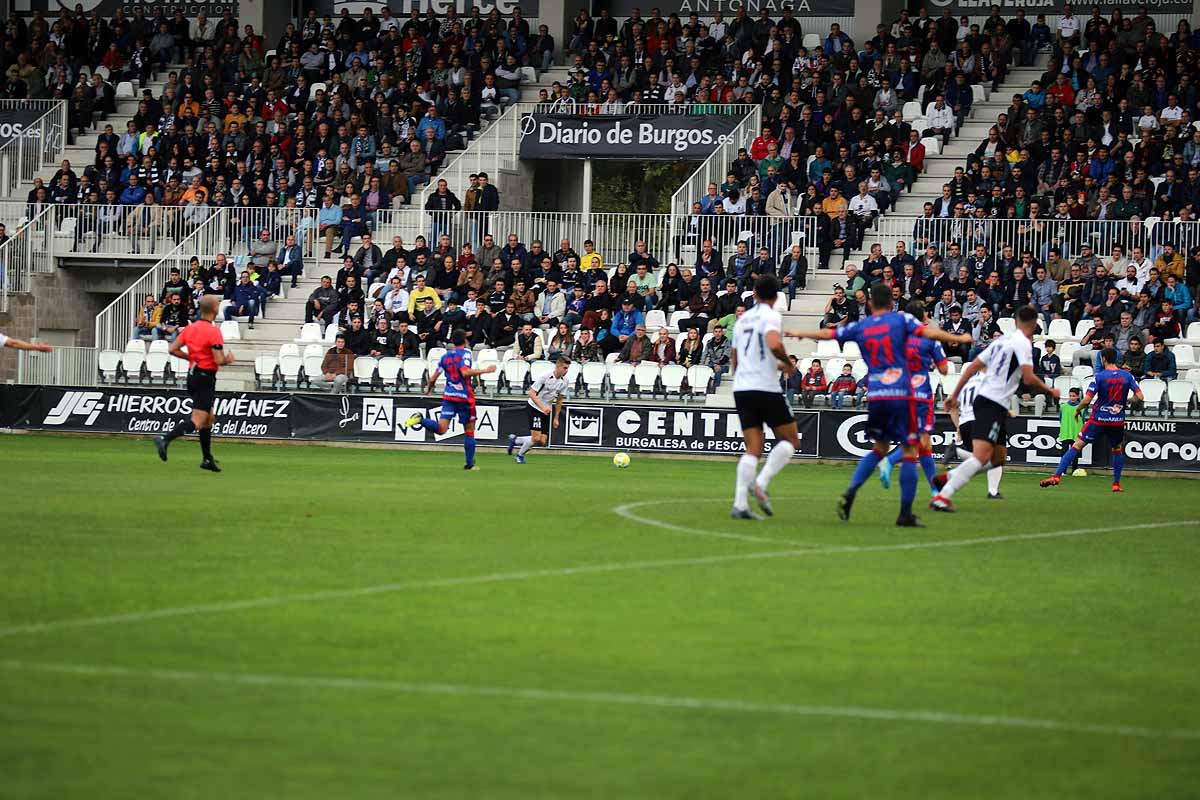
324	622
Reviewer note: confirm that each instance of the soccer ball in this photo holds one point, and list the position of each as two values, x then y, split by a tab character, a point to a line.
1079	473
621	460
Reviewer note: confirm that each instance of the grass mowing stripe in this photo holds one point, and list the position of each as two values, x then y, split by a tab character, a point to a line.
608	698
590	569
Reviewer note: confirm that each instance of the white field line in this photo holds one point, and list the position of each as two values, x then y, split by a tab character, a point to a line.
626	511
604	698
561	572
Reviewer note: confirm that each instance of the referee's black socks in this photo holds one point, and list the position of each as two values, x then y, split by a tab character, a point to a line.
206	443
182	429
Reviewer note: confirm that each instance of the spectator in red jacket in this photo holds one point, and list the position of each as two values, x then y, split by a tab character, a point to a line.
814	383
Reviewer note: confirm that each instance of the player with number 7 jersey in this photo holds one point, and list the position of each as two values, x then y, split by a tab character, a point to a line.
883	338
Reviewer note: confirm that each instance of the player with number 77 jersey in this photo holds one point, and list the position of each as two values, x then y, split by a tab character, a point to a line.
883	338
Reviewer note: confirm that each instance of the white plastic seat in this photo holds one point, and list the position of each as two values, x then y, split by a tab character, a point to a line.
1153	390
1006	324
850	351
1179	395
414	371
124	91
540	368
979	93
312	369
859	368
655	319
1193	333
491	380
159	346
179	367
911	110
827	348
314	350
434	356
364	369
309	332
135	345
1083	327
264	369
698	378
1060	330
933	146
389	370
619	377
1185	356
672	377
107	362
231	331
487	354
645	375
156	365
288	349
676	317
132	362
1066	352
515	372
811	40
593	373
1083	371
1192	375
289	367
330	338
316	87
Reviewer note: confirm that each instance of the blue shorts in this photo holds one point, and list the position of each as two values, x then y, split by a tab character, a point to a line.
1115	434
892	421
924	415
462	410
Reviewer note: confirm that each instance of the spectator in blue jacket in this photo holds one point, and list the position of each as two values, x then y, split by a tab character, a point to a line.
329	223
431	120
134	194
1181	300
625	324
245	300
354	221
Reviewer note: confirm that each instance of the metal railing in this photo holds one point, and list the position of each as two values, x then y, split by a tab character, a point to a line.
26	251
571	107
115	322
40	144
713	169
66	366
1036	236
491	151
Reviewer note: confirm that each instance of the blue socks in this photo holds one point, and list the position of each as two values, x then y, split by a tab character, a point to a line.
908	486
469	447
864	470
429	424
893	458
1118	464
1066	461
929	468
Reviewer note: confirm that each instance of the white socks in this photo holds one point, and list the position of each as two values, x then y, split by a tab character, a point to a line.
993	479
963	455
526	443
746	467
777	459
960	475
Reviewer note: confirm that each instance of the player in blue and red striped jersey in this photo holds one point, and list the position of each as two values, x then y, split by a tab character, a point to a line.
458	398
924	355
1110	387
891	408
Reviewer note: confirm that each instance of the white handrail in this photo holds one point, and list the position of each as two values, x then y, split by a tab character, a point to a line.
25	252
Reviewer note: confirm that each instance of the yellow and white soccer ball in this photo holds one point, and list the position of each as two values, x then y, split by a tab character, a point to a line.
621	460
1080	472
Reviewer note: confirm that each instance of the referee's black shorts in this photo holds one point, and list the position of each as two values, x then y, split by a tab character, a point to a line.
756	409
202	388
991	421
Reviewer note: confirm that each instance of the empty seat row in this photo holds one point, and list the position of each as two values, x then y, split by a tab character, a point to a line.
136	365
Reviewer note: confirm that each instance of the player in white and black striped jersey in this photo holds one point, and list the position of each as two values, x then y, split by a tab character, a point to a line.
548	390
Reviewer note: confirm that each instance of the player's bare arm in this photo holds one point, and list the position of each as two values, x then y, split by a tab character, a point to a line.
939	335
537	401
823	333
1029	378
471	373
21	344
774	342
558	406
433	379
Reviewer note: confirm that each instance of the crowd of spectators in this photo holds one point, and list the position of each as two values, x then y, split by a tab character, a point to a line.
241	125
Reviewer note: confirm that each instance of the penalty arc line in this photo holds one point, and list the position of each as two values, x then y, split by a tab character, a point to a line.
606	698
626	511
562	572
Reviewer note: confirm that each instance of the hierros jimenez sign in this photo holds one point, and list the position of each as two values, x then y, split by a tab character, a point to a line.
665	137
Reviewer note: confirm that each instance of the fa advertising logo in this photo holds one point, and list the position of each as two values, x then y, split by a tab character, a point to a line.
585	426
84	404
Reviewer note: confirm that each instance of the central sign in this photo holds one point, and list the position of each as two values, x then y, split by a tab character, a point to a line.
668	137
